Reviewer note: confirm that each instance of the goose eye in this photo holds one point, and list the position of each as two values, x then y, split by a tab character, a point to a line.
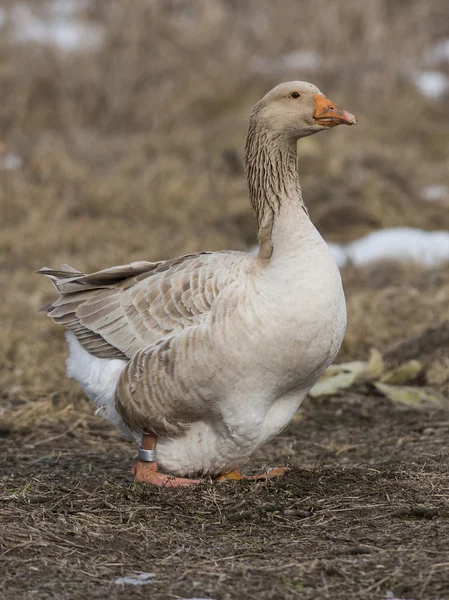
295	95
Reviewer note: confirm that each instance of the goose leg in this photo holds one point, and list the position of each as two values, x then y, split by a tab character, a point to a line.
146	470
269	474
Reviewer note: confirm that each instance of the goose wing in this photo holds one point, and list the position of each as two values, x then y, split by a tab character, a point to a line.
118	311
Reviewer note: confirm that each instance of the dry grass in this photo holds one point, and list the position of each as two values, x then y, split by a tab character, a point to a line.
388	302
364	510
260	561
135	151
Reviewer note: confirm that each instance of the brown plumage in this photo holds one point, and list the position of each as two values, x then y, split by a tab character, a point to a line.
124	313
116	312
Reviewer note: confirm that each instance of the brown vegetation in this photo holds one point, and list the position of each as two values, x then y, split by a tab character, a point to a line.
135	151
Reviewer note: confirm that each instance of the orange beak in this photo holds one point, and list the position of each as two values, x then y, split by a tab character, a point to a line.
329	115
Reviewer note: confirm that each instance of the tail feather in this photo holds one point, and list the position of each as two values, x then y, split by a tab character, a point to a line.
101	290
68	280
61	279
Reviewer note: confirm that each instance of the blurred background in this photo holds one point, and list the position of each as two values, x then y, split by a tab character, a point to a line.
122	126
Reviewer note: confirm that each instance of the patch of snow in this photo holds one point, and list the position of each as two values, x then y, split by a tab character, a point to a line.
62	29
11	162
433	193
431	84
307	60
429	248
142	579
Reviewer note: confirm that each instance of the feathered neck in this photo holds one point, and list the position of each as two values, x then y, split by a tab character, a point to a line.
272	173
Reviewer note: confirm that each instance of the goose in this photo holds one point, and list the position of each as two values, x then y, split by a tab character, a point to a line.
202	358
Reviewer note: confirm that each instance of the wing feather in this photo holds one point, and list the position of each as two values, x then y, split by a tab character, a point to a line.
118	311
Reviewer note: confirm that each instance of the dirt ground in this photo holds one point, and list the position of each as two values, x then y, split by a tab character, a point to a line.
134	150
363	513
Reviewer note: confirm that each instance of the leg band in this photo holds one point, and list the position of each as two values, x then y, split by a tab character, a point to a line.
147	455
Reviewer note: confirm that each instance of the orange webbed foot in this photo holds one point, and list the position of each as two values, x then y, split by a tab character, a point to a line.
146	472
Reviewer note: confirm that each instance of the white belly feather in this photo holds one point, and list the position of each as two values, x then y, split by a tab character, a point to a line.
98	378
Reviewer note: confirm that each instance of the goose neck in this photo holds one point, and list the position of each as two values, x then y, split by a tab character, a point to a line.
273	181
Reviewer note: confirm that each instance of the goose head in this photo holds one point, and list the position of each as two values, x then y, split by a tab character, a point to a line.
297	109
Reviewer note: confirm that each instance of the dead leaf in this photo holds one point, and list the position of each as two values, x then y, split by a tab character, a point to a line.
342	376
402	374
328	386
375	366
411	395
